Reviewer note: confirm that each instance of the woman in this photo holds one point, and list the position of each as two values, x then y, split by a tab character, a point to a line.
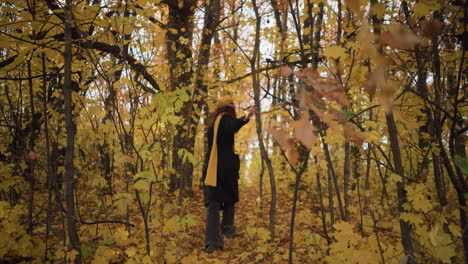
221	172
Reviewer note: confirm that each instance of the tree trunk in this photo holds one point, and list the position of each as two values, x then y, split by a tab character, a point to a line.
398	165
334	178
32	142
179	38
50	191
323	214
318	33
436	123
405	227
331	207
211	20
346	176
70	129
258	121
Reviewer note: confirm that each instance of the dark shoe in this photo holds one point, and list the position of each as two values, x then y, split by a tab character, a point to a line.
233	235
210	248
229	231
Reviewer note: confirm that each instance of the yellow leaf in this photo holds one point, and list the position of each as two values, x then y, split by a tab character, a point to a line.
423	8
378	9
121	201
121	237
131	252
335	52
190	259
72	255
438	237
393	178
147	260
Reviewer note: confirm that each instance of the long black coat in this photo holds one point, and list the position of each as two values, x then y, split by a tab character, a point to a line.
227	189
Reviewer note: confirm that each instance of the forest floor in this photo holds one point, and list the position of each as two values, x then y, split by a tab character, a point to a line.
251	243
176	234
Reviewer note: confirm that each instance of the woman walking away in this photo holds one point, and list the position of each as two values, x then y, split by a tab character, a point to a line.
221	173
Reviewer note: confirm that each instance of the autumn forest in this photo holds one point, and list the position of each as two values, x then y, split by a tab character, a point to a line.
356	153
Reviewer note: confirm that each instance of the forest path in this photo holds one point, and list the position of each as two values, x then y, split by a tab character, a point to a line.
246	215
250	245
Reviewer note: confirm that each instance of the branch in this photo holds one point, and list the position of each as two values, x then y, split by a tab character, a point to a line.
250	73
8	61
106	222
116	51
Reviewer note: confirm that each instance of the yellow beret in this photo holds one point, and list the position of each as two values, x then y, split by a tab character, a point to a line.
225	100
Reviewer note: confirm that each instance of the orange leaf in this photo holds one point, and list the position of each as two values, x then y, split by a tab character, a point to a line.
303	131
292	155
306	99
285	71
355	5
386	97
322	87
374	79
399	36
33	155
432	28
282	137
340	117
351	134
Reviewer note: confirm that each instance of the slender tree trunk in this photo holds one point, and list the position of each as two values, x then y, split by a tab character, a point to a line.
456	142
260	186
317	37
258	121
293	218
50	191
367	177
331	207
405	227
357	175
144	215
334	178
436	125
346	176
307	38
70	128
32	141
323	215
303	162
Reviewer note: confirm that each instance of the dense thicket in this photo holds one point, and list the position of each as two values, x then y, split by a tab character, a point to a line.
358	152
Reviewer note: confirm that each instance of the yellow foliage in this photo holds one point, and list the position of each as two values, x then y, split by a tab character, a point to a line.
335	52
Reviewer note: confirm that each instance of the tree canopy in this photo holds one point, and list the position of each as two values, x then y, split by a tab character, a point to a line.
357	153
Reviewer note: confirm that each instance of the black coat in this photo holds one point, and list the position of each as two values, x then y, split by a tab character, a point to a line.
227	189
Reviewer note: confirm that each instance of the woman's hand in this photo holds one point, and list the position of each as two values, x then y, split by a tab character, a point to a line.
251	113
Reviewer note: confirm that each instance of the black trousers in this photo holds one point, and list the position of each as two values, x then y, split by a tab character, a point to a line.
213	227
